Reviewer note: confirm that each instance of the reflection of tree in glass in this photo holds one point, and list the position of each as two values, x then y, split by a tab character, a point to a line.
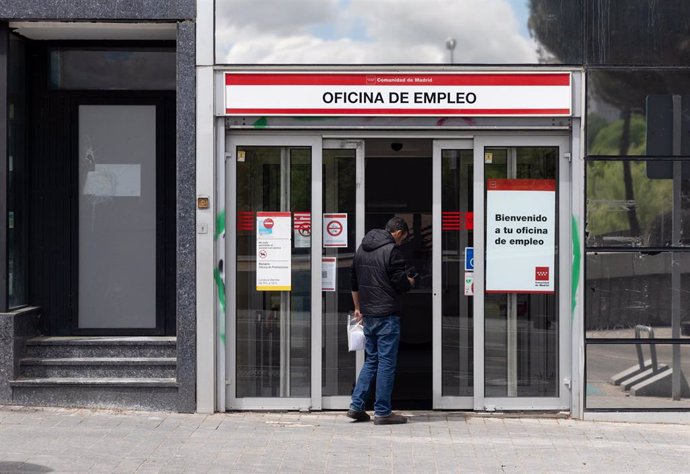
557	26
604	137
625	32
607	205
611	91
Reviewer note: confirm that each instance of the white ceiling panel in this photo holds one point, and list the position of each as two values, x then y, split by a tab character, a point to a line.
41	30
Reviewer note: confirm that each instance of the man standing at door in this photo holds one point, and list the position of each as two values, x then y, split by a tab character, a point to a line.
378	280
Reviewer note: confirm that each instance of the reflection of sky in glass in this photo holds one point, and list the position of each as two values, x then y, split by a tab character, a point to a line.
373	31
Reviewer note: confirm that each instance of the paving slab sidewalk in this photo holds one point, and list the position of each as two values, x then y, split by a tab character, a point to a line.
85	440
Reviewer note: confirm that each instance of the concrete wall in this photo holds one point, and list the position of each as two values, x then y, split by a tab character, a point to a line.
98	9
15	328
186	215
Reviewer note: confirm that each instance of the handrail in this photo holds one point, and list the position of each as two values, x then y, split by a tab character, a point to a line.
639	329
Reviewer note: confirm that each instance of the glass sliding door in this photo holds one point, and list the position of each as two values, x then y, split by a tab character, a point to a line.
523	336
342	179
493	346
271	251
453	301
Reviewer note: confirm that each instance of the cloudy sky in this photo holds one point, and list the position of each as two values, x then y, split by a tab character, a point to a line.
372	31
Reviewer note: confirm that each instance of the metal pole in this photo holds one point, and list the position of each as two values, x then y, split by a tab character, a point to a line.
675	260
284	296
450	45
511	322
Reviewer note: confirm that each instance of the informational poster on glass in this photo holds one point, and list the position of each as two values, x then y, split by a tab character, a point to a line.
329	270
302	229
273	251
520	235
335	230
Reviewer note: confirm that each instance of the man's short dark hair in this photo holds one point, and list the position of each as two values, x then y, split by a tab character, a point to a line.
397	223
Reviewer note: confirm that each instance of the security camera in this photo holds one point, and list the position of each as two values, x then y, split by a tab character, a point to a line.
396	146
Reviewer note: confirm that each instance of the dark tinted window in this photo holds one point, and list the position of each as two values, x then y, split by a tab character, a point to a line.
630	203
638	32
613	381
113	69
17	218
626	289
557	27
631	112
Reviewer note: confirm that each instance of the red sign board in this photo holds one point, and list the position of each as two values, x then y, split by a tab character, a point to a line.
399	94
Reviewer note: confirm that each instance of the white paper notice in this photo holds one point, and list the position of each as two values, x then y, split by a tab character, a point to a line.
273	251
302	229
114	181
335	230
520	235
329	269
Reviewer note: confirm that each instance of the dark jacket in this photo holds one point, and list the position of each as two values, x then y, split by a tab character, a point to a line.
378	274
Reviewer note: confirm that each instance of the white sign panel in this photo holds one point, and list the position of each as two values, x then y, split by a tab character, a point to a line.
302	229
273	251
520	235
335	230
469	283
113	181
399	94
329	269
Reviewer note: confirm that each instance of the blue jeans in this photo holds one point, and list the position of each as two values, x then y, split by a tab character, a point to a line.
381	348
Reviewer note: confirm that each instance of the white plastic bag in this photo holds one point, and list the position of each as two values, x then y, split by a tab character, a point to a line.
355	334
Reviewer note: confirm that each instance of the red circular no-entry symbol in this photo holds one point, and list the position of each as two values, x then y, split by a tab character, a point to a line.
263	254
334	228
268	223
304	230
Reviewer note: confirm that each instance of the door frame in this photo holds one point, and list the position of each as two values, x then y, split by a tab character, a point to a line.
165	217
562	402
478	142
313	141
50	117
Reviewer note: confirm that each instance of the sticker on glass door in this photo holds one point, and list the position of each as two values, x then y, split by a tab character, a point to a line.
273	251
